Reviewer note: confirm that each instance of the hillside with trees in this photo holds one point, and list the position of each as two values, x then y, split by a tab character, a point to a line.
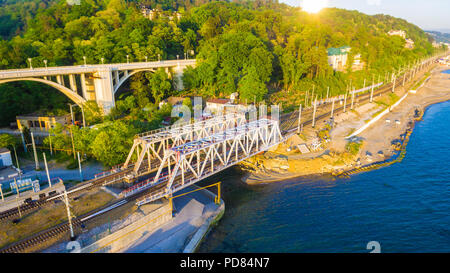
264	50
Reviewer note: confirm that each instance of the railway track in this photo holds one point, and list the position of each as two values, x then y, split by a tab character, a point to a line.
288	121
85	186
64	228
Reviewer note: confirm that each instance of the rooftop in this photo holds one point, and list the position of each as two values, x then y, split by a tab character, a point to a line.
338	51
219	101
41	115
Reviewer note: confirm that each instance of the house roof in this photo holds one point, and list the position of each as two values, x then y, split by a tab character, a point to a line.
337	51
4	150
40	115
219	101
175	100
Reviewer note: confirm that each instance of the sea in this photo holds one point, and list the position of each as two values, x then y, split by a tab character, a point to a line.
403	208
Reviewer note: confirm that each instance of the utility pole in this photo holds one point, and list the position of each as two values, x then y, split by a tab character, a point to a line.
353	99
306	98
393	86
69	216
23	142
46	170
34	151
79	166
373	86
314	113
328	91
332	108
73	145
345	101
82	113
71	112
50	140
18	205
17	159
17	188
299	119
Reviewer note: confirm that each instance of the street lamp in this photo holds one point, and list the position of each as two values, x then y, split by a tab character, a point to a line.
45	63
84	58
71	112
29	60
128	59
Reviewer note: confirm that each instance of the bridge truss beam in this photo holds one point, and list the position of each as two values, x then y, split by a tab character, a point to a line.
154	145
204	157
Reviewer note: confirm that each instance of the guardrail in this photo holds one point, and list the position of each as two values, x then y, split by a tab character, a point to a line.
144	185
88	68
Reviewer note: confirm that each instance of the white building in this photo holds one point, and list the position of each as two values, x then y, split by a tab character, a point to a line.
400	33
337	57
409	43
5	158
217	105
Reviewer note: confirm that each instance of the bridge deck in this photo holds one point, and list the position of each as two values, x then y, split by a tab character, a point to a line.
90	68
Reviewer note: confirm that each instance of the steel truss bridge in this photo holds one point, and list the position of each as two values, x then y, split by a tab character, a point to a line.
206	156
154	144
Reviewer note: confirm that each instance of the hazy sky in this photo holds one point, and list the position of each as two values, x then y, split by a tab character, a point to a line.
427	14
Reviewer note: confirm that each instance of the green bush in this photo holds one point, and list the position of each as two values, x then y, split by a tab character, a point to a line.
353	147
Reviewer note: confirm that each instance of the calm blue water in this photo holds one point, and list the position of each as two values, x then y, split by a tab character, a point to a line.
405	207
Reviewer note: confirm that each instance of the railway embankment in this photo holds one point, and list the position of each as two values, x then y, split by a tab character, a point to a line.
177	225
344	147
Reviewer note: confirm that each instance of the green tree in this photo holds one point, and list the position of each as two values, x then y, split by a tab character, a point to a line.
160	85
112	143
251	86
93	114
7	141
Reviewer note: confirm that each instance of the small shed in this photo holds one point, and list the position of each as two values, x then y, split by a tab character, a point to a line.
5	158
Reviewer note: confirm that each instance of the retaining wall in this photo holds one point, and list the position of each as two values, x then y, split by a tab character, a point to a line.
129	234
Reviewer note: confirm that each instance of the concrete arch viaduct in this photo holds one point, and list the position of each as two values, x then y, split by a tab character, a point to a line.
94	82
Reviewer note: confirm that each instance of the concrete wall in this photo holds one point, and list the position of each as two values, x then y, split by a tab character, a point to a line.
198	237
128	235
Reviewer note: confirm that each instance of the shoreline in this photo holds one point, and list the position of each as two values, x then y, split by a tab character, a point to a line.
426	95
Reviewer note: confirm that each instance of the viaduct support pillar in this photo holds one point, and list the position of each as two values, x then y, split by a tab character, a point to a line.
104	89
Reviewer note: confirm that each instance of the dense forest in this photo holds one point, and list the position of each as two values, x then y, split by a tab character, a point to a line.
262	49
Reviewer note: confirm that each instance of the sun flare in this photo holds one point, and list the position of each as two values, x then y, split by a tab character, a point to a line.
313	6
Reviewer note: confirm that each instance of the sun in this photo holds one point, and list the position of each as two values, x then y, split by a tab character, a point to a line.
313	6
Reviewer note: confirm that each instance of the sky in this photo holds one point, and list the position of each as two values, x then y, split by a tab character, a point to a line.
427	14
